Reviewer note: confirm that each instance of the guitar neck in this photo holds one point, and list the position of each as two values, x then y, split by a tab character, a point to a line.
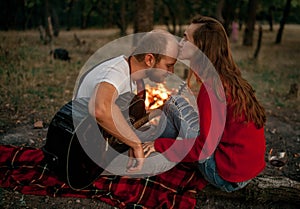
145	119
142	121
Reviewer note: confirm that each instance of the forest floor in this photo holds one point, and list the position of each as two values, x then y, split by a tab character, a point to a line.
33	87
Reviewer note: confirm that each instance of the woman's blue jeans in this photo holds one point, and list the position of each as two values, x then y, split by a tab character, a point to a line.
209	171
183	122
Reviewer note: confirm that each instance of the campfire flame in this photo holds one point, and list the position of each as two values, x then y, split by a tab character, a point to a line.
156	96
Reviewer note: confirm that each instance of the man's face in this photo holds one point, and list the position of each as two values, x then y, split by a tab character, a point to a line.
161	69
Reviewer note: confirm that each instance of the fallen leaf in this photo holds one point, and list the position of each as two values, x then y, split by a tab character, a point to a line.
38	124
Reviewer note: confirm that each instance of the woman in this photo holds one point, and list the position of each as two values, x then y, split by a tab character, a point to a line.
230	147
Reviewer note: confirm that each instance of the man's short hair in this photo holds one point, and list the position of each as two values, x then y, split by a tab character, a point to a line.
154	42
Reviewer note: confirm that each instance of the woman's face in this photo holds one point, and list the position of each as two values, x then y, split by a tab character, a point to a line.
187	47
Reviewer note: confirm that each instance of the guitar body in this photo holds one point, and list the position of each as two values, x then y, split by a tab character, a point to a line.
76	146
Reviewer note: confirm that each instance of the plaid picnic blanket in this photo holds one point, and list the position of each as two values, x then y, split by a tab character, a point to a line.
22	169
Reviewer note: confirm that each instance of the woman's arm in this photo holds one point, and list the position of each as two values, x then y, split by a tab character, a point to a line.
212	113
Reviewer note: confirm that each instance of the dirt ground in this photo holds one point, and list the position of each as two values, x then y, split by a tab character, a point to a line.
282	131
280	127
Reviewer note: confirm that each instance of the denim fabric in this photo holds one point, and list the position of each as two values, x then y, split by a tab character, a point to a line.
181	119
209	171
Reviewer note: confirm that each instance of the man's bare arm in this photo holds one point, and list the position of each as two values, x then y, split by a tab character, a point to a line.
109	116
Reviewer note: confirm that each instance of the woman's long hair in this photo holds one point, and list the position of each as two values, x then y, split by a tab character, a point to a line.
210	37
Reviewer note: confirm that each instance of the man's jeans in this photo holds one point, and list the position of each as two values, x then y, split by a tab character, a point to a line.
182	119
183	122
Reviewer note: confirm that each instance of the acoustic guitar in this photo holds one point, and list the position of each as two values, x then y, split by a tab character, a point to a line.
77	148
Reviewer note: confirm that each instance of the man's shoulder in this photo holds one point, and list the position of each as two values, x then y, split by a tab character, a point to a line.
119	60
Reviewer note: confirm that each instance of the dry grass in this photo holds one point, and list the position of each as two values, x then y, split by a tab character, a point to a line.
276	68
33	85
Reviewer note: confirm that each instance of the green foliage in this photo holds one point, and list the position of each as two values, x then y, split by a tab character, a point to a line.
295	3
32	3
107	13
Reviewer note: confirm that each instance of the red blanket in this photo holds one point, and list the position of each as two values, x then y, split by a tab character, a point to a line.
21	169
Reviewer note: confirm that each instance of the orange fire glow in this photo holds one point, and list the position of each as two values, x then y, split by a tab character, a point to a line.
156	96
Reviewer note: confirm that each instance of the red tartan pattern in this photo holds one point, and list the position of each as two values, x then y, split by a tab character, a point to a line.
22	169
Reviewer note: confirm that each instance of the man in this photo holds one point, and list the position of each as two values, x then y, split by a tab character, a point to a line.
153	58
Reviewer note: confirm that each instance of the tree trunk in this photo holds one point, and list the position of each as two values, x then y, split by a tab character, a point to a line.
69	14
166	18
47	20
172	16
270	17
263	189
228	12
283	21
219	9
260	33
85	16
55	22
250	23
144	16
123	21
241	14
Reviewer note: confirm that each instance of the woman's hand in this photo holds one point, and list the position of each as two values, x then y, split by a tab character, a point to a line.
148	148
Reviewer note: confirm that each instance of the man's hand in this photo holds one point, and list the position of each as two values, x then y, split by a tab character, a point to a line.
136	159
148	148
